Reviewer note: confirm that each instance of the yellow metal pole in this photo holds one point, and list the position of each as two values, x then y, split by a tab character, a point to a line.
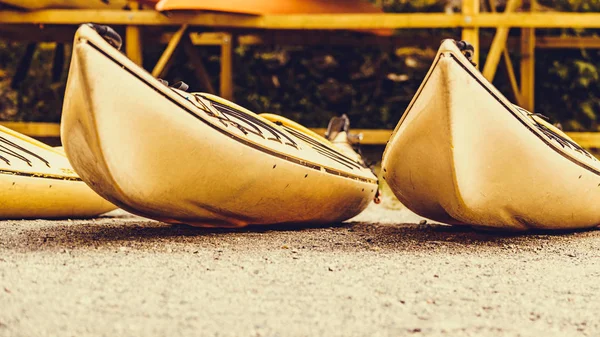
162	66
226	88
133	39
303	21
370	136
498	44
508	66
528	66
133	44
470	8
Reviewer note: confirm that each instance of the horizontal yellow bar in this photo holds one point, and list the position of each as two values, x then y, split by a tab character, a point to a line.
381	137
592	42
370	136
305	21
34	129
296	38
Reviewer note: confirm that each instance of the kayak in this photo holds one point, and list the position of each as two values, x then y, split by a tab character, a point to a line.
37	181
262	7
66	4
463	154
196	158
279	7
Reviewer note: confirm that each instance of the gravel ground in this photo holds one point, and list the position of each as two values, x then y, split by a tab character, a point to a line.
380	274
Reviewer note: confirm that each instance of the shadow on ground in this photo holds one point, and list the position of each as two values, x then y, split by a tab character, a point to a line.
353	236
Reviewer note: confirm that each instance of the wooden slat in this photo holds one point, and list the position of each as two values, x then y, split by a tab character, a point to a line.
133	44
528	67
498	44
210	38
370	136
226	89
591	42
470	8
150	17
34	129
65	34
318	38
305	21
512	79
381	137
590	140
162	66
133	38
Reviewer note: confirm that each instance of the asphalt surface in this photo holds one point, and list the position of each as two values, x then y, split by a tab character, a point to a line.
380	274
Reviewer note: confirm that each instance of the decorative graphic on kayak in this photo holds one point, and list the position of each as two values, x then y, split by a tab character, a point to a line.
324	150
564	142
9	149
243	121
250	124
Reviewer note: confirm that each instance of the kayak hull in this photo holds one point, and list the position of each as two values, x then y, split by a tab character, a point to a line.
463	154
66	4
37	181
47	198
150	150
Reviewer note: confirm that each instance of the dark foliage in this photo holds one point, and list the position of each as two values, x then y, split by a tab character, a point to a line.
310	84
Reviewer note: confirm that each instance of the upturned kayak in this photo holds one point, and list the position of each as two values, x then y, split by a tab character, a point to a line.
66	4
196	158
464	154
37	181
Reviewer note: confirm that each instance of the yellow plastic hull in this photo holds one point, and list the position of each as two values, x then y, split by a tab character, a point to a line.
37	181
463	154
67	4
201	160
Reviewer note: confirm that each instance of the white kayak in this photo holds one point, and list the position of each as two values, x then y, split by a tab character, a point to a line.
197	159
37	181
463	154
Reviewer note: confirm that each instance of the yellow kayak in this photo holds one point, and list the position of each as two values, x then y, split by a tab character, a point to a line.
37	181
196	158
463	154
66	4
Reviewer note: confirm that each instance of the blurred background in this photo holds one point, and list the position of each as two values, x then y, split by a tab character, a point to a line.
325	75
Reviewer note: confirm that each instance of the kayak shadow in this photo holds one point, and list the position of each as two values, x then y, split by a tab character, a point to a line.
35	235
432	237
142	234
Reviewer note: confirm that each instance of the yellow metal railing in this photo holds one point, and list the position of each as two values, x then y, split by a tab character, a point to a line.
370	136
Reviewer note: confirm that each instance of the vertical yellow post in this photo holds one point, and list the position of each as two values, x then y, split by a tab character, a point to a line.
133	39
164	62
226	89
498	44
528	65
471	34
